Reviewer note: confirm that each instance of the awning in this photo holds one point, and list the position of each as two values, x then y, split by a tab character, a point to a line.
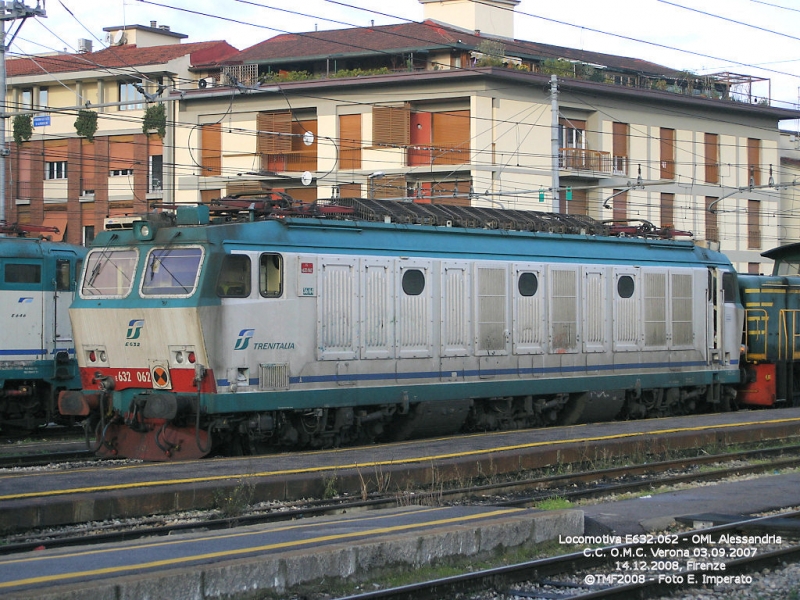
58	220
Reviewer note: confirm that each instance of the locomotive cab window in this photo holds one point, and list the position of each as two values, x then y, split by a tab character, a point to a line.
729	288
413	282
234	277
270	275
22	273
109	272
63	279
171	271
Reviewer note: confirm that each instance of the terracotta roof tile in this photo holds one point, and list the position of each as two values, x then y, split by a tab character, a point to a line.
428	35
121	57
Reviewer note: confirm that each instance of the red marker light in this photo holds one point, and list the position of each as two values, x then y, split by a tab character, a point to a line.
92	356
191	357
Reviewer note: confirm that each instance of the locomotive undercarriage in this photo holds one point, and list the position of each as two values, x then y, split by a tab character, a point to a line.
160	426
26	405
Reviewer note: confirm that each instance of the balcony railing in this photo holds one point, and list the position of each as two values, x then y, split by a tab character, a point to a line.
580	159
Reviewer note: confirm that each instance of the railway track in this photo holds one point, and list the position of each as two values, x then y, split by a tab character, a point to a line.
46	459
643	567
593	484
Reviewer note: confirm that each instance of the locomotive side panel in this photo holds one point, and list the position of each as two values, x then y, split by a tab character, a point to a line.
36	343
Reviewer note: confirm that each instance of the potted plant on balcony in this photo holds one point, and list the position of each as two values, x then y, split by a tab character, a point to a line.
155	119
86	124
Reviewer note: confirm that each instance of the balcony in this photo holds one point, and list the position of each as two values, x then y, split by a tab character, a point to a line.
580	159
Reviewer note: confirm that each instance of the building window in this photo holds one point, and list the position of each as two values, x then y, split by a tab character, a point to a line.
26	98
712	157
210	150
44	97
120	172
128	93
155	175
391	126
667	153
667	210
754	161
712	227
620	206
620	137
754	224
55	170
88	235
572	134
753	268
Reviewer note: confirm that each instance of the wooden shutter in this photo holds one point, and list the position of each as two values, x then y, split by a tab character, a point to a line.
55	151
88	166
712	157
391	126
451	137
274	128
120	153
349	142
577	206
667	153
667	209
754	160
621	206
754	224
712	226
211	149
620	137
393	186
302	157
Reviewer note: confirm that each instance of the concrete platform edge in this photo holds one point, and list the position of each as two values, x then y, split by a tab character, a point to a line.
280	572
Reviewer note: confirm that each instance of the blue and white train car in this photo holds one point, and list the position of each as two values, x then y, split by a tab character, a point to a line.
37	353
316	331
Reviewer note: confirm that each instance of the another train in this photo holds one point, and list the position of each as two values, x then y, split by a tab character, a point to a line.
37	352
259	323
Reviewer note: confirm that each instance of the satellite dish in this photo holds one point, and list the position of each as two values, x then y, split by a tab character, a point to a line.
306	178
308	138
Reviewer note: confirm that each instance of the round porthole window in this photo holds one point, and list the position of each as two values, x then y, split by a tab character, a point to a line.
413	282
625	286
528	284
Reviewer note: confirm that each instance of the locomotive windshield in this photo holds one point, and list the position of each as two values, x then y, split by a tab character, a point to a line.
787	267
171	271
109	272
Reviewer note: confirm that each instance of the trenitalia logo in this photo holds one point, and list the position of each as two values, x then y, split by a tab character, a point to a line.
245	335
25	300
134	329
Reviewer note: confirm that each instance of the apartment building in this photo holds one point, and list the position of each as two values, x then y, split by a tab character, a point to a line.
454	109
73	176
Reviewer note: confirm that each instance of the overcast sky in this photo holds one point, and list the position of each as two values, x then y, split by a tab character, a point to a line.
753	37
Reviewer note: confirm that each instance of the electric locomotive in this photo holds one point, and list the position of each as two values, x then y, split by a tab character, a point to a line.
259	323
37	353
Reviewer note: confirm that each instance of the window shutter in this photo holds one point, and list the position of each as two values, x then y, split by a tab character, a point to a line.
274	129
211	149
350	142
391	126
120	153
451	137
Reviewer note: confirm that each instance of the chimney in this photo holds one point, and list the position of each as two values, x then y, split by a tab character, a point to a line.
153	24
493	18
84	46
